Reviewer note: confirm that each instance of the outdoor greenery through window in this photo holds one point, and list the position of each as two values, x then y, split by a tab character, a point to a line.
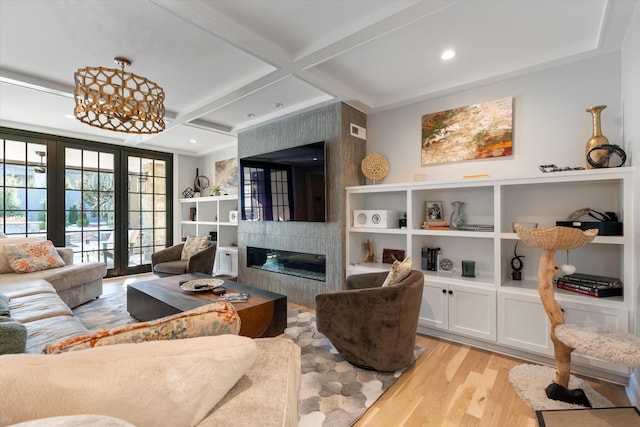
23	178
90	204
108	203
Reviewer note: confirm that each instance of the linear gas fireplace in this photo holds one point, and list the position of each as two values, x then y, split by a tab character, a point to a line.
299	264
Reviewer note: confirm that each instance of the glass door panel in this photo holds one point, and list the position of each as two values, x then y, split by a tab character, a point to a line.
90	205
147	210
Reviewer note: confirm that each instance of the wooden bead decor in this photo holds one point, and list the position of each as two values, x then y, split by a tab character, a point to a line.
375	166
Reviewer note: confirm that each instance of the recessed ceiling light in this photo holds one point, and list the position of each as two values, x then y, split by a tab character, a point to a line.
448	54
250	115
278	105
193	141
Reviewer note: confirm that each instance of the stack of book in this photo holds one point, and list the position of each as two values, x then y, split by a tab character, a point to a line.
589	284
430	258
435	225
476	227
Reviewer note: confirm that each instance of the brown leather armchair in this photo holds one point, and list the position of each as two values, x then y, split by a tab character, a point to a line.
371	326
166	262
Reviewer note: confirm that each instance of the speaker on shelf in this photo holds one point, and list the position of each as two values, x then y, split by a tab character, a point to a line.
376	218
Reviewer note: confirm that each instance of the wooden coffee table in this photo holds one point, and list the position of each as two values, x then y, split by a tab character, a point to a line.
263	315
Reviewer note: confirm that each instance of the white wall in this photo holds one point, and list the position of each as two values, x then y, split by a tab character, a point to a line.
631	132
210	163
551	125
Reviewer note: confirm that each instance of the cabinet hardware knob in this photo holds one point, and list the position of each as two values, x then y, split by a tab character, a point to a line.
450	292
444	291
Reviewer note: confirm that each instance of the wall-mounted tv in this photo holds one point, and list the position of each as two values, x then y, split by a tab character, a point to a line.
284	185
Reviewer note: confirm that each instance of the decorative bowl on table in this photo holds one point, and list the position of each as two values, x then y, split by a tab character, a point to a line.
200	285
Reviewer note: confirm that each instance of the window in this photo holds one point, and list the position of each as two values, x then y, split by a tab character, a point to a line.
267	194
90	204
147	183
23	177
108	203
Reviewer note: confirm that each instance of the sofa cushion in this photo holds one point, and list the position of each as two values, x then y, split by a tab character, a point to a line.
171	267
36	256
4	262
212	319
22	288
50	330
38	306
399	272
271	388
193	245
147	384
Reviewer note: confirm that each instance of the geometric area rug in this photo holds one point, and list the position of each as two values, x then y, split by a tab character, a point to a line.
332	392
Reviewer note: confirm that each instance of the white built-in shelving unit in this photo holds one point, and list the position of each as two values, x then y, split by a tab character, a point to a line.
211	214
491	307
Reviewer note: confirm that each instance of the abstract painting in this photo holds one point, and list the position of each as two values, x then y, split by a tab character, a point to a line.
227	174
473	132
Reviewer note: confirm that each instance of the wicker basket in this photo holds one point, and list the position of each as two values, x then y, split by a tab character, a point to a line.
555	238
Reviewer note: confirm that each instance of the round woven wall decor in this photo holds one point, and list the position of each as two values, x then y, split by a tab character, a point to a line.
375	166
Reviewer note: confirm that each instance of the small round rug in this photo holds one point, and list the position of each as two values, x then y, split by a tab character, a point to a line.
530	382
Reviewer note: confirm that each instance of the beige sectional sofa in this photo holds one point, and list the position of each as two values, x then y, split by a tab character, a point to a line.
266	394
74	283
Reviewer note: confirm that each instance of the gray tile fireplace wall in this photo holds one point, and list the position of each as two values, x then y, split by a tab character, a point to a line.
344	154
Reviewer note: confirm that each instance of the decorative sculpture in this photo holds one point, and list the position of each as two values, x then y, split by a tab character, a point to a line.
551	240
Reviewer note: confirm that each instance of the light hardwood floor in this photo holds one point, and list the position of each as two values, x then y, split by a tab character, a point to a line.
453	384
449	385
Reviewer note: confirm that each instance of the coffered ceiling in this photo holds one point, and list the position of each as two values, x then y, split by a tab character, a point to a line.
229	65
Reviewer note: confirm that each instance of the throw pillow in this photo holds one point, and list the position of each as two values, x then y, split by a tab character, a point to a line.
4	262
29	257
4	305
212	319
159	383
13	336
399	272
193	245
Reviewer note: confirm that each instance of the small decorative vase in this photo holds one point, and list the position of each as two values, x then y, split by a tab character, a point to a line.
597	138
457	216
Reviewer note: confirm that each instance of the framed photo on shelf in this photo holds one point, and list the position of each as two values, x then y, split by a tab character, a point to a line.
390	255
433	212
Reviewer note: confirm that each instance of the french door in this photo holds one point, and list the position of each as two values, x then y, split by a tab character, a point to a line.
106	202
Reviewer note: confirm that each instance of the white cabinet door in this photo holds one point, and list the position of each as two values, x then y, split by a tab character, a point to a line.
472	311
523	323
434	310
463	309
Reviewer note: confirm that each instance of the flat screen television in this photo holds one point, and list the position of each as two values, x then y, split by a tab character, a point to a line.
284	185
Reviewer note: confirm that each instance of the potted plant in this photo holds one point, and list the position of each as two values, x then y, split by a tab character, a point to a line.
216	189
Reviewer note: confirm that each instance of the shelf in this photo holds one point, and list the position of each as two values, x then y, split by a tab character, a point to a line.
456	233
377	230
493	298
209	211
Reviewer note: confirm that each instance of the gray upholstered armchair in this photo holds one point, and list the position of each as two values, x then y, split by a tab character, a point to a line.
166	262
372	326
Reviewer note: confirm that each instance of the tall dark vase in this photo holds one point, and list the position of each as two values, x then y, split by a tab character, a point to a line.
597	138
